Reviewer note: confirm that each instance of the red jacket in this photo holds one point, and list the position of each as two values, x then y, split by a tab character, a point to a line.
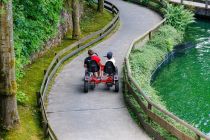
96	58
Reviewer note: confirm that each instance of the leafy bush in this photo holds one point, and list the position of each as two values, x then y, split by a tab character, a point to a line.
90	2
144	1
21	98
166	38
178	16
34	23
145	60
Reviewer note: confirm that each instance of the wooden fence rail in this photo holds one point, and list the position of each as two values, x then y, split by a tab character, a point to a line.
148	109
203	4
63	55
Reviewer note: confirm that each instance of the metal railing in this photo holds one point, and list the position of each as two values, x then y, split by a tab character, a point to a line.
132	86
62	56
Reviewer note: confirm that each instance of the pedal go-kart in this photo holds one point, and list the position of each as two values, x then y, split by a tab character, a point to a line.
109	76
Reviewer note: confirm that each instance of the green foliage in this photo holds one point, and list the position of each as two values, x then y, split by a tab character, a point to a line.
144	60
34	23
90	2
178	16
4	1
144	1
30	83
88	22
166	38
22	98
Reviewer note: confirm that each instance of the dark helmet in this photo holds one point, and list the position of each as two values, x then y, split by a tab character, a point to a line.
109	55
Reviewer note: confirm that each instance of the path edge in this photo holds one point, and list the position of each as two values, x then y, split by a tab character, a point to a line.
128	81
61	57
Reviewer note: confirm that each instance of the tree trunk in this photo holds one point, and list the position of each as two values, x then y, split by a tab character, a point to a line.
8	104
101	6
76	19
9	114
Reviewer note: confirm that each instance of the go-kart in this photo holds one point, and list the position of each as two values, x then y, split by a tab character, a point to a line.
109	76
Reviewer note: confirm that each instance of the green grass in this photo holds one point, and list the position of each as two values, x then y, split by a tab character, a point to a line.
144	60
154	125
90	23
30	127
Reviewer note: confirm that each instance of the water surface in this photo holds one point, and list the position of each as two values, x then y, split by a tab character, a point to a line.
184	84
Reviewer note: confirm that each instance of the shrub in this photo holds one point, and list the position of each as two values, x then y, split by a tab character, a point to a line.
166	38
90	2
21	98
144	1
178	16
34	23
145	60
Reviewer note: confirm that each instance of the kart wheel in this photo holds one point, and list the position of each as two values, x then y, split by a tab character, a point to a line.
117	86
92	86
116	70
107	87
86	86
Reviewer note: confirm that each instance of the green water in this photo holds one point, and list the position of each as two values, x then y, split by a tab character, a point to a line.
184	84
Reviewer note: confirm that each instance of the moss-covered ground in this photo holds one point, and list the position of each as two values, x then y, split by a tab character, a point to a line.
30	126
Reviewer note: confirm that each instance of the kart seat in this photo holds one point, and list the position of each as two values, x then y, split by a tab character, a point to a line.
109	68
93	66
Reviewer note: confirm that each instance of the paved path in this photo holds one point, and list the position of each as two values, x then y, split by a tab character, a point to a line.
100	114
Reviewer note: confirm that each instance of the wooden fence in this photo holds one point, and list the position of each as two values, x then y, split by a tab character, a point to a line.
202	4
149	107
62	56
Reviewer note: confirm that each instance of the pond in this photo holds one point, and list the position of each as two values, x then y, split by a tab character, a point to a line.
184	84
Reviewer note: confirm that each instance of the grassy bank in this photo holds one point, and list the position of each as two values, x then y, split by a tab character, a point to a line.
144	60
30	127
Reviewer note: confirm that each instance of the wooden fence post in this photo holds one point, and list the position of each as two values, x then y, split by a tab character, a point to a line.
150	108
182	1
45	71
198	137
57	60
112	9
206	4
150	35
127	88
38	96
46	132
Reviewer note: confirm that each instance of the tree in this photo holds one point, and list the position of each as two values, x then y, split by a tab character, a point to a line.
76	19
8	103
100	6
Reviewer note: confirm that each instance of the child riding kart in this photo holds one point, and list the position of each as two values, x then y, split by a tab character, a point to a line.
107	74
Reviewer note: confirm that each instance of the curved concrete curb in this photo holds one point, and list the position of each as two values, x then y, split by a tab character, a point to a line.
100	114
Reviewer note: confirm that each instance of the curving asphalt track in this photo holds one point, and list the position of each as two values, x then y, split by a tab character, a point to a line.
100	114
